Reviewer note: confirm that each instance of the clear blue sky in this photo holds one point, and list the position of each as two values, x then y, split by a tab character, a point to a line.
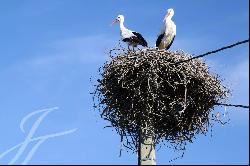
50	49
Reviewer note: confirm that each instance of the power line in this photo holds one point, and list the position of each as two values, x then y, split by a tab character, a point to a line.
212	52
232	105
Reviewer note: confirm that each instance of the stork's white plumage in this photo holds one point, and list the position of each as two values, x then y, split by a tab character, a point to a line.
132	38
168	31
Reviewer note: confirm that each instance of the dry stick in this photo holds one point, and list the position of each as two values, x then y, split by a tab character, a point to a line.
232	105
212	52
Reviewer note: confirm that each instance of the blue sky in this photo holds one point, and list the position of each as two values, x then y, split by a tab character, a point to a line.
50	49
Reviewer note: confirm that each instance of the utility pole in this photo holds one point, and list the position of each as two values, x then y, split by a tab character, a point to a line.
146	152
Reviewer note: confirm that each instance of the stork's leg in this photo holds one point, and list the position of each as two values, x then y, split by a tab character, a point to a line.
133	48
128	48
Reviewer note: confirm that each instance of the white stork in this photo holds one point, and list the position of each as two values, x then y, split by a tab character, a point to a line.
132	38
168	31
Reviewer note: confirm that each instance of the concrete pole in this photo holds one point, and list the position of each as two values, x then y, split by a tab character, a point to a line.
146	152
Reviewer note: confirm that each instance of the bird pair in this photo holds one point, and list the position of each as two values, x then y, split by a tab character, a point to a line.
164	40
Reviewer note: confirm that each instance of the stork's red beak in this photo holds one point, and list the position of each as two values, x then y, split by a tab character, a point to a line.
115	21
168	14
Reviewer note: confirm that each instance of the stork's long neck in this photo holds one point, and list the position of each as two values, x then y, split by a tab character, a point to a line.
122	27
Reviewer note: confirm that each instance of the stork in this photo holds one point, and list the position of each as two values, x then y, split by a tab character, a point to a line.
168	31
132	38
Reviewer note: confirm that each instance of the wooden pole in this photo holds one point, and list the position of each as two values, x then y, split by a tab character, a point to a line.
146	152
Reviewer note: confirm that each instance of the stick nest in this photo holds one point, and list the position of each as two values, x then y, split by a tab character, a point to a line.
147	89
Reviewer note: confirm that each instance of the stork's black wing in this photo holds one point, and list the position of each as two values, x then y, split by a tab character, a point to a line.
158	41
170	43
127	40
140	39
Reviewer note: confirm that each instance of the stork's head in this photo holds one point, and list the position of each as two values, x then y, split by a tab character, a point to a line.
170	13
119	18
